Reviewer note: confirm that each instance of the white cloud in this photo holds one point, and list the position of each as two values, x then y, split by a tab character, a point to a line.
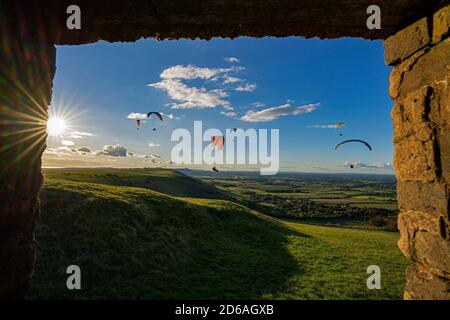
230	79
325	126
188	96
153	145
115	150
364	165
67	143
231	59
257	105
80	133
191	97
248	87
170	116
229	114
137	116
277	112
190	72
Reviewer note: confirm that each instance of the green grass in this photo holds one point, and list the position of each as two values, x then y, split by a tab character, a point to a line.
166	181
134	242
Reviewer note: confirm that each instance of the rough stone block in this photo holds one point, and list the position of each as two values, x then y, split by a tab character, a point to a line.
407	41
409	222
444	147
414	160
424	197
421	240
429	69
441	24
411	115
421	284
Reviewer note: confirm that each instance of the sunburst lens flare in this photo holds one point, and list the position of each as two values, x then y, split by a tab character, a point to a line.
56	126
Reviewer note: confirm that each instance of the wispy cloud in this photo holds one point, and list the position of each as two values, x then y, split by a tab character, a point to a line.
230	79
190	72
248	87
277	112
257	104
364	165
229	114
231	59
79	134
67	143
153	145
169	116
324	126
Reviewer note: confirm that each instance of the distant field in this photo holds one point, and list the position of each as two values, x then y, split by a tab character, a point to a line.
358	195
158	234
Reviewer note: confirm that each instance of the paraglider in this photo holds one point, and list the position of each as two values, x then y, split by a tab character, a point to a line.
157	114
354	140
340	125
215	169
218	142
138	123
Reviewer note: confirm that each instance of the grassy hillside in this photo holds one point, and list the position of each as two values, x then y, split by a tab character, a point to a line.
166	181
133	242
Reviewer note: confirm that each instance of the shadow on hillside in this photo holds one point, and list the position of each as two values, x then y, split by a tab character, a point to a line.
142	246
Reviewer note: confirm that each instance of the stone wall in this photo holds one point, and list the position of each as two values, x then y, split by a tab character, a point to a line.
419	85
27	65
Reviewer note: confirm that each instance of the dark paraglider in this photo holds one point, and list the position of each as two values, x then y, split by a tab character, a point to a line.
157	114
215	169
354	140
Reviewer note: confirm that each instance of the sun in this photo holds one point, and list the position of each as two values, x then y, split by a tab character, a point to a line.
56	126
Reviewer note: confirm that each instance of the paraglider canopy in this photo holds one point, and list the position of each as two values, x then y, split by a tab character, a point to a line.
340	124
354	140
159	115
218	141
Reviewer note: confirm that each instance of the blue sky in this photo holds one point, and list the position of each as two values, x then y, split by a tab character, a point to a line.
98	85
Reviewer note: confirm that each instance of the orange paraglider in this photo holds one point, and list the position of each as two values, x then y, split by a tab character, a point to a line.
218	142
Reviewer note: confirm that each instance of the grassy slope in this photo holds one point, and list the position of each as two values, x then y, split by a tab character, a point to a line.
132	242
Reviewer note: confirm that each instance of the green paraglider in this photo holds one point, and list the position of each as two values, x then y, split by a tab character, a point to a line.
340	125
